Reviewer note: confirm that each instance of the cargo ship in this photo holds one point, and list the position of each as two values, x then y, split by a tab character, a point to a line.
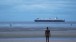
49	20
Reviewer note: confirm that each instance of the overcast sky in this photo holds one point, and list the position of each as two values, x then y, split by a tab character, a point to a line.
28	10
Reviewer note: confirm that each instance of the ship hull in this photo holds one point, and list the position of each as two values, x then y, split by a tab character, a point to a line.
49	20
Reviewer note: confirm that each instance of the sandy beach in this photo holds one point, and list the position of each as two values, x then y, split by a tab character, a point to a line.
37	40
24	34
37	36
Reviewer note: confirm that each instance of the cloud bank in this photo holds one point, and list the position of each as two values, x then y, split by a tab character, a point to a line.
18	9
25	5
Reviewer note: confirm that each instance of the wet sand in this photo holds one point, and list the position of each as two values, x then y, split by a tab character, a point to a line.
18	35
37	40
24	34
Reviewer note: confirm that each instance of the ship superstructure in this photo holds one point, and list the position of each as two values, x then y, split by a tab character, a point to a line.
49	20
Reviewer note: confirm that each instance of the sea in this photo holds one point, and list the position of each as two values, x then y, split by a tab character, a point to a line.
35	31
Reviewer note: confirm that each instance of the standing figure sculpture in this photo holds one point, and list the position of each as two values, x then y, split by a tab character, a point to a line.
47	34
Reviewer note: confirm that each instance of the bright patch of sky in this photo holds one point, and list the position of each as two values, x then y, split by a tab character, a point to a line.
28	10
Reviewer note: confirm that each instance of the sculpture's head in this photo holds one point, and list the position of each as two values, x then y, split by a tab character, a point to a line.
47	27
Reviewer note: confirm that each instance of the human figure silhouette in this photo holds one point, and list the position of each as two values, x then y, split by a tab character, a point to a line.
10	25
47	34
